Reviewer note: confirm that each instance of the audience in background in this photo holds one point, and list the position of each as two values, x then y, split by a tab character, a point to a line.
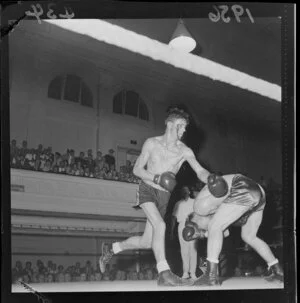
42	159
76	273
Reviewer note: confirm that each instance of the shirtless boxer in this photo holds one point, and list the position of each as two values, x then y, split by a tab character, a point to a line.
241	204
157	165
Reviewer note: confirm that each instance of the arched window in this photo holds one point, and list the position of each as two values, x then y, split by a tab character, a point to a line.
128	102
70	88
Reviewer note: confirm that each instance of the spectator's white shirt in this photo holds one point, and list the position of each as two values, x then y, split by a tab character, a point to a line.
183	209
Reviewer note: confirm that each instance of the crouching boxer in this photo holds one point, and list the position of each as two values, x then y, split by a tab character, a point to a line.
236	200
157	166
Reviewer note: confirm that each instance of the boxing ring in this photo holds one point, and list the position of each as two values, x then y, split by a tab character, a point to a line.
145	285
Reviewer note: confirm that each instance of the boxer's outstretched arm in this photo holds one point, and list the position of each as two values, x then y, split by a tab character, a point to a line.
201	172
139	167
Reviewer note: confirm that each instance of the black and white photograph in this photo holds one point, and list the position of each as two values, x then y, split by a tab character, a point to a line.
149	147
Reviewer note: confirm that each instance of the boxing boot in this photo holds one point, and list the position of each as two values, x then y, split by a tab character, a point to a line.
275	273
167	278
210	277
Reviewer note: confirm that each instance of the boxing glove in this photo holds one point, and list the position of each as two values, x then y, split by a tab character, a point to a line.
166	180
188	233
191	231
217	185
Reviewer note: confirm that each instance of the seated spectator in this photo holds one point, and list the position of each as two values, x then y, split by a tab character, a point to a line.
106	276
62	167
110	159
71	157
28	268
81	172
77	167
53	269
73	169
92	278
47	167
98	276
60	277
13	147
34	278
86	171
57	159
39	150
88	270
55	169
126	169
69	170
60	269
49	278
99	161
141	276
108	175
91	175
24	149
149	274
77	270
238	272
23	162
49	266
81	159
41	268
97	172
13	153
118	275
18	269
83	277
102	174
90	163
67	277
114	175
41	278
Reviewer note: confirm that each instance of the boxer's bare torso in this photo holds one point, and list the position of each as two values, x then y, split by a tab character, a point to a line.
163	157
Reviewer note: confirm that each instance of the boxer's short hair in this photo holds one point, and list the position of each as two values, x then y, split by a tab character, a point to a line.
174	113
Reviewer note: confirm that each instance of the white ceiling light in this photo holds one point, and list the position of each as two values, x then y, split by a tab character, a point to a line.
182	39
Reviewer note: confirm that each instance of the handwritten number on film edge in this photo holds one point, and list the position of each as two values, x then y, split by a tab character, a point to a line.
237	10
38	11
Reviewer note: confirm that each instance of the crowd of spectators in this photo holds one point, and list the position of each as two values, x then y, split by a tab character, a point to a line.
42	273
83	165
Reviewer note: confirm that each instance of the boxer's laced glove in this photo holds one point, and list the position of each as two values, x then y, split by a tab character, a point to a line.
107	254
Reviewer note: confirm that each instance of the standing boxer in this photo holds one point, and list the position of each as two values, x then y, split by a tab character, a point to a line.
216	208
157	165
182	210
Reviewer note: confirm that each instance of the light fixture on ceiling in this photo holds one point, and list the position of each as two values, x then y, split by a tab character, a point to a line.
182	39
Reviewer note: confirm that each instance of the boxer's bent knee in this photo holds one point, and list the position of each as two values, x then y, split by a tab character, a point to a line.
159	226
248	236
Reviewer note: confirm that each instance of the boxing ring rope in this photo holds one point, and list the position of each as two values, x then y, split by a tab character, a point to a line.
118	36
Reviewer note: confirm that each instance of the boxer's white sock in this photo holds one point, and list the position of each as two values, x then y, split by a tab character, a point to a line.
273	263
116	247
212	260
162	266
